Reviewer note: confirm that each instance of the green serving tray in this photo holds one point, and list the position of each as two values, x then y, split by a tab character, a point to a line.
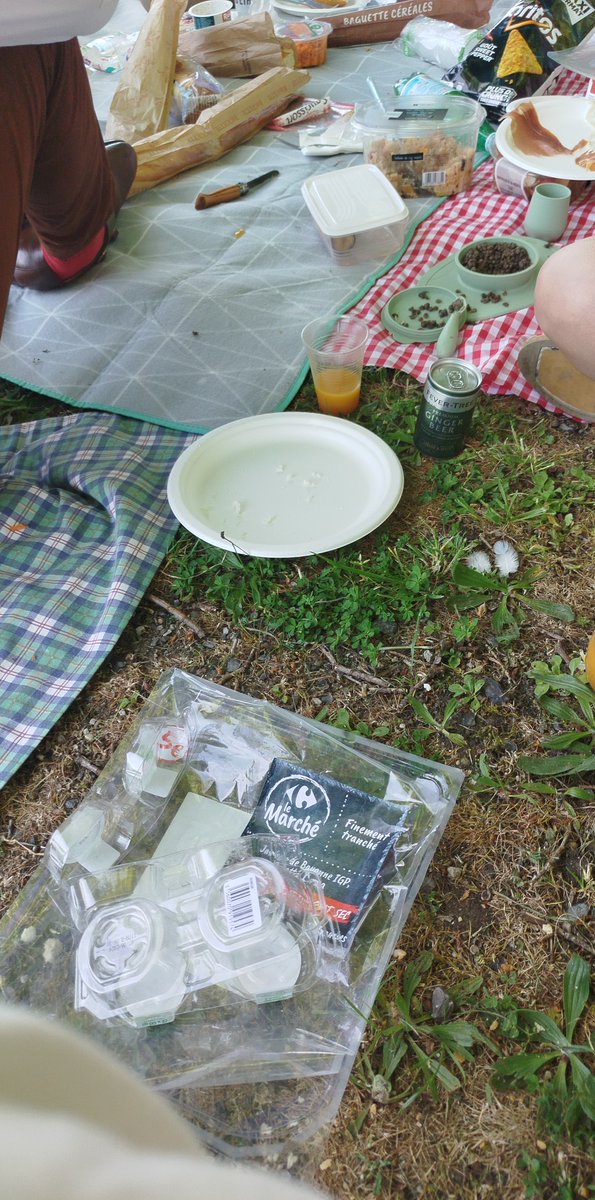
445	275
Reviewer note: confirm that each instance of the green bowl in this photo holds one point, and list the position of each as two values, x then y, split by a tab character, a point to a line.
482	282
397	317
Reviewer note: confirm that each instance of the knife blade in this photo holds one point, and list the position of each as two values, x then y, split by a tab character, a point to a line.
208	199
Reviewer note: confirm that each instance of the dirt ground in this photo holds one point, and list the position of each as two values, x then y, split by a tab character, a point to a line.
500	897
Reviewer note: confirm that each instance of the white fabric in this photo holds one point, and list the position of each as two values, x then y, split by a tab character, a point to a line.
74	1123
36	22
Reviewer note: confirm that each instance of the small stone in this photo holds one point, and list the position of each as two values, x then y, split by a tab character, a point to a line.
548	930
467	720
442	1005
324	1166
232	665
52	949
428	885
492	691
380	1090
578	912
28	935
454	872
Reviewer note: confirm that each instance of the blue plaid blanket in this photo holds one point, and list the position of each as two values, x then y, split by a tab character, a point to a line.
84	524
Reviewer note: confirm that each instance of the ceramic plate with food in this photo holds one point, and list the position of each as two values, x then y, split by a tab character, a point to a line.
551	135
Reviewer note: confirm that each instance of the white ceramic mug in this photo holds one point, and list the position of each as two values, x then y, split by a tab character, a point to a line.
547	214
210	12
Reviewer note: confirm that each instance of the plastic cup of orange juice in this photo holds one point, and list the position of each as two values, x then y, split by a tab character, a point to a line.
335	348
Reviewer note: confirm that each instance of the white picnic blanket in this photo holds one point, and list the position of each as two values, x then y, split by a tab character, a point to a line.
194	318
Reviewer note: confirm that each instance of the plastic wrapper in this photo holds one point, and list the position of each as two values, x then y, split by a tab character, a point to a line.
194	90
439	42
251	1027
514	59
109	53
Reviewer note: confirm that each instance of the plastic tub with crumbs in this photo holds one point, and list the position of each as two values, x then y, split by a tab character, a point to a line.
425	145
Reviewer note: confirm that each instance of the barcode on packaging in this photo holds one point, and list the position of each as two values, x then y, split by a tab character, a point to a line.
242	908
431	178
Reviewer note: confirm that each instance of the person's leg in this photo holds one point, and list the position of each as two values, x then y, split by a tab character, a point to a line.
73	192
565	302
55	166
561	365
22	104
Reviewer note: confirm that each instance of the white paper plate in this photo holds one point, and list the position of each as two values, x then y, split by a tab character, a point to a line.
567	117
315	10
285	485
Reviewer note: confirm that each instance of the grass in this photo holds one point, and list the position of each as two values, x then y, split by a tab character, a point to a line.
397	639
359	596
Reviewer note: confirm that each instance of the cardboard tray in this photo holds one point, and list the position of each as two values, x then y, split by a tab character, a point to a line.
384	22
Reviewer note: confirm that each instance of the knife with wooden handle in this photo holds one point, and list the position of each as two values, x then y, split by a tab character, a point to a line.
208	199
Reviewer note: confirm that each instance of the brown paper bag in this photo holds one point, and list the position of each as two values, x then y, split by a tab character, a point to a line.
239	48
233	120
142	100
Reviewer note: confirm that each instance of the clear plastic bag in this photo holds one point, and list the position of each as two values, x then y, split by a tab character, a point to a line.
194	90
109	53
441	43
256	1068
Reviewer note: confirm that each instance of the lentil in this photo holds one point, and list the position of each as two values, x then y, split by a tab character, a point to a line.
496	258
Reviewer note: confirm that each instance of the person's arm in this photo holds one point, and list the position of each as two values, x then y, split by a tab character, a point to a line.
35	22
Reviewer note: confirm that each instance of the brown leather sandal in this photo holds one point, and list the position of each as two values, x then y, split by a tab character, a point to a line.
552	374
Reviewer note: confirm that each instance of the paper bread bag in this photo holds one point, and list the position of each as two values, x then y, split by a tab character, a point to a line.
238	49
233	120
142	99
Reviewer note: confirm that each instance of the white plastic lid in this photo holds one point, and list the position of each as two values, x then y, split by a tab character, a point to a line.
353	200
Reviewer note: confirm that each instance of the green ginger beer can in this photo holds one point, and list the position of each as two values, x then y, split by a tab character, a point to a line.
445	413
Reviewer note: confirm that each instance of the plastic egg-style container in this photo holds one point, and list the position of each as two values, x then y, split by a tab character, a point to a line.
358	214
425	145
309	40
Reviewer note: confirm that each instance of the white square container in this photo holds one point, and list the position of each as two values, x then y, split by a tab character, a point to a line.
358	213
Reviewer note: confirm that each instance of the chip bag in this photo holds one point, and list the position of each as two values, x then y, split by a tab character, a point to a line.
513	60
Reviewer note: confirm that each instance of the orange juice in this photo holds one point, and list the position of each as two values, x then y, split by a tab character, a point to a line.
337	390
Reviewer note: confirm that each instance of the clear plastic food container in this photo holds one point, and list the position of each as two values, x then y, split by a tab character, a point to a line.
180	933
358	213
425	145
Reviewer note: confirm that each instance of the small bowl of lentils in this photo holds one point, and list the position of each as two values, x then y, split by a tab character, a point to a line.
418	314
493	265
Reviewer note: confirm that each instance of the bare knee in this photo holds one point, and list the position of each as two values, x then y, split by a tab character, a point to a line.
565	303
565	290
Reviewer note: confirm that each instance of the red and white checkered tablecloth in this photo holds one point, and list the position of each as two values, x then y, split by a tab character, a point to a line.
490	345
